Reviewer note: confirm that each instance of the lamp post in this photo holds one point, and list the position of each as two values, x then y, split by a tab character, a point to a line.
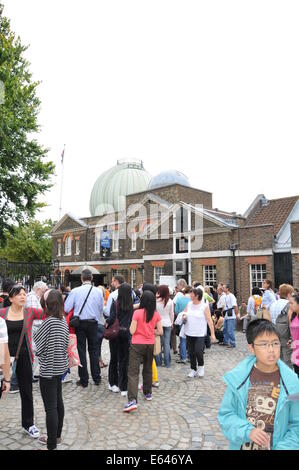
233	247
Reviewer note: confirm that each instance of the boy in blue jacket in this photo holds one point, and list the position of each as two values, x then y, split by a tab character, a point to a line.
260	408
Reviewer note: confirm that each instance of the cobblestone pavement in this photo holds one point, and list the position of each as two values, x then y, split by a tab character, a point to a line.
182	414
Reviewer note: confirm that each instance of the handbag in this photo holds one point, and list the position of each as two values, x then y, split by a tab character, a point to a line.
112	331
72	351
75	320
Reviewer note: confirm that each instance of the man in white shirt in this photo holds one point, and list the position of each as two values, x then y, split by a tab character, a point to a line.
116	282
231	313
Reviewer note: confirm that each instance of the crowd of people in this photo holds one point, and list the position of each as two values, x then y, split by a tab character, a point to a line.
142	327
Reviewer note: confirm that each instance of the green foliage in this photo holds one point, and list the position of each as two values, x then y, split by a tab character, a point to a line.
29	243
24	175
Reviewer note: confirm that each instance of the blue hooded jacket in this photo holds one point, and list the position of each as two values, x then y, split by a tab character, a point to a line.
232	413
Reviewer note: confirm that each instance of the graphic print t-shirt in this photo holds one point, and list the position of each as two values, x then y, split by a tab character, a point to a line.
261	406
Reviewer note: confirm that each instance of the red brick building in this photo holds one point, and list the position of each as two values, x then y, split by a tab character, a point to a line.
173	229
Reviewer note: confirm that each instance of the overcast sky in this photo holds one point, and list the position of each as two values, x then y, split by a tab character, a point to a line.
210	88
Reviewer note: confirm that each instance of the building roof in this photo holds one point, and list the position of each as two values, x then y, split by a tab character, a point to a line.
273	211
166	178
111	187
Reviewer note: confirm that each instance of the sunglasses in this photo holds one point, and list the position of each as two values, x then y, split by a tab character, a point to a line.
15	290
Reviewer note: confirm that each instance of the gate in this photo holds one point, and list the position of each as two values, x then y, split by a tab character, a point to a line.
26	273
283	272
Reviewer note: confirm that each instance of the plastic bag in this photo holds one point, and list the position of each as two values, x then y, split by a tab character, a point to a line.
72	351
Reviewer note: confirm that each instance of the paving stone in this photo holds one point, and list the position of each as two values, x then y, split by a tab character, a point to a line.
182	415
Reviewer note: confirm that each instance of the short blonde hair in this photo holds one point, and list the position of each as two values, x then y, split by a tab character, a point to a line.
285	290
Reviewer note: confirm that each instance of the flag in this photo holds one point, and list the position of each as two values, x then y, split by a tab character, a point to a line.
62	155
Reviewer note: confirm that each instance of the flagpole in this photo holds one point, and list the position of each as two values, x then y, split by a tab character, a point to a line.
62	171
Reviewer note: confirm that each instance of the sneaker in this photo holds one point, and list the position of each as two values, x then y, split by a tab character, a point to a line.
67	379
192	374
148	396
115	389
32	431
43	440
132	405
230	346
155	384
124	394
14	389
200	371
110	387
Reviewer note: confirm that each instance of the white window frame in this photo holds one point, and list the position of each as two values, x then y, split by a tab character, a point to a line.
59	248
134	241
209	274
158	271
68	246
133	278
115	241
77	247
257	272
97	242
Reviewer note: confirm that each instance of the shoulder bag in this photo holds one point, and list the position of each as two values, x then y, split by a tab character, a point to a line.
112	331
75	321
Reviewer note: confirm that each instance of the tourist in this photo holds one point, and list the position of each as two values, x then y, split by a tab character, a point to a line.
33	301
101	325
164	307
180	306
219	326
231	313
181	285
7	284
147	286
88	307
119	347
254	303
52	339
294	326
267	299
146	323
255	413
19	320
115	283
4	359
281	316
285	293
197	317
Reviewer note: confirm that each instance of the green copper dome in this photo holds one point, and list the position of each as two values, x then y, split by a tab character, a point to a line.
111	188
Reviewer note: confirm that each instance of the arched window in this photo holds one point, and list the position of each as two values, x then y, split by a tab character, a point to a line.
68	246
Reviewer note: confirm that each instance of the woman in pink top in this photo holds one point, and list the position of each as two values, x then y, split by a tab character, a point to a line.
294	327
146	323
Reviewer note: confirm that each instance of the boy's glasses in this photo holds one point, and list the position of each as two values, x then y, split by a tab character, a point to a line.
275	345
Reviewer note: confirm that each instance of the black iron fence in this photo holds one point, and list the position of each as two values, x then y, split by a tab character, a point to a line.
27	273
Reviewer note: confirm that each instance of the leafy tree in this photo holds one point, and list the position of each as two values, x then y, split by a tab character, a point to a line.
24	175
29	243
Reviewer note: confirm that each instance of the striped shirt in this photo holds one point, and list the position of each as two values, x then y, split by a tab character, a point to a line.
52	340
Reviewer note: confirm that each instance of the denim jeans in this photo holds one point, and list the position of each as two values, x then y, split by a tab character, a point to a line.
100	336
183	349
229	331
165	340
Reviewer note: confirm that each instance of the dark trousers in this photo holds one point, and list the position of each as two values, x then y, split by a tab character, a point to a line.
296	369
140	353
88	331
51	390
24	376
119	362
219	335
173	339
196	347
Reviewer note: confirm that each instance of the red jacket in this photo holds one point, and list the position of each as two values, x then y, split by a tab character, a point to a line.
30	314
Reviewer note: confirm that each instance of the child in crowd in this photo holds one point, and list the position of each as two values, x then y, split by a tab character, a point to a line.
260	408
